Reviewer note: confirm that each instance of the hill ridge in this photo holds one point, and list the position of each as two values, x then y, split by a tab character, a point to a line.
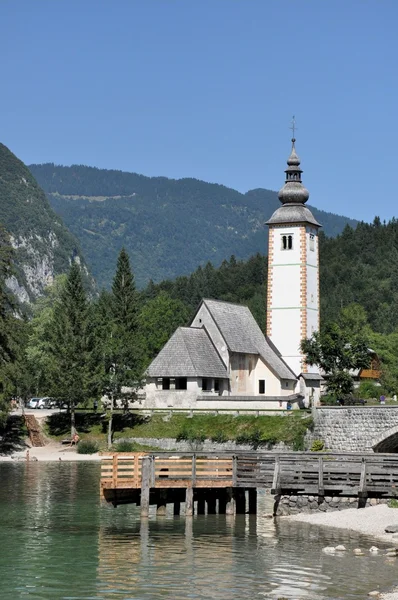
168	226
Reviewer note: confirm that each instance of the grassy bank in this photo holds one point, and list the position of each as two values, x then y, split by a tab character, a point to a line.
262	431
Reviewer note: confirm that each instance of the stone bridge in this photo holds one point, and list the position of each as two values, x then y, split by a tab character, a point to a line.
357	429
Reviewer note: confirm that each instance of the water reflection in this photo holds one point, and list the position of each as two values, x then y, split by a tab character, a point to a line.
59	542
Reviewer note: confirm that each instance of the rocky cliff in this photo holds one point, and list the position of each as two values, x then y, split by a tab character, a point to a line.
43	246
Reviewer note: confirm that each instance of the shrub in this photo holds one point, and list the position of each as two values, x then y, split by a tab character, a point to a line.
317	446
219	437
368	389
393	503
87	447
253	438
125	446
182	436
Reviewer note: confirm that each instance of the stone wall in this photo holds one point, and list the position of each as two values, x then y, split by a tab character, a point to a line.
356	429
171	445
291	505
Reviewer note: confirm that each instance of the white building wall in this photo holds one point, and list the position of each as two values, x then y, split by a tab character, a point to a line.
312	281
284	302
293	291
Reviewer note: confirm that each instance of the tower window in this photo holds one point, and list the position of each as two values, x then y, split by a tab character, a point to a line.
312	242
287	242
261	386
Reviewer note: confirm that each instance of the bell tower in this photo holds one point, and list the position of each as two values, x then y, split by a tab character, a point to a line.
293	269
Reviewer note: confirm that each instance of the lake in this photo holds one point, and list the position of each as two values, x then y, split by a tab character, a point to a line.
58	541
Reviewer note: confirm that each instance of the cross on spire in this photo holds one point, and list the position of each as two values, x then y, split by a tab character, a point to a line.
293	126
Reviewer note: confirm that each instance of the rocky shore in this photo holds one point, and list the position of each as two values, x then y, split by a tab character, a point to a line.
372	521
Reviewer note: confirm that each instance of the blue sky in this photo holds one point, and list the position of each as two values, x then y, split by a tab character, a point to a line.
207	88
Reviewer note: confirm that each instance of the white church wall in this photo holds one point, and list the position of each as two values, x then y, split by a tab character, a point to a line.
242	374
156	397
204	318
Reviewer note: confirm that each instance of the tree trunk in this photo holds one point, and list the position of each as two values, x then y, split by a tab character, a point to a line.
110	423
72	420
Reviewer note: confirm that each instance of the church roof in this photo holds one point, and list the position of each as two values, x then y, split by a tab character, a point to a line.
293	195
293	213
242	334
188	353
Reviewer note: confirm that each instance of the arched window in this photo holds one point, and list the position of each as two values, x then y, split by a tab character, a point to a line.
287	242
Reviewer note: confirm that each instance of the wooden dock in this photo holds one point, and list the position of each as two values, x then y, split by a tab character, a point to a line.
230	481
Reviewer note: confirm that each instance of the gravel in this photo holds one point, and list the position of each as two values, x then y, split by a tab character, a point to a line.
370	521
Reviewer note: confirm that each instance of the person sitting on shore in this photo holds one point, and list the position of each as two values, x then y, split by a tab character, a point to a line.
75	439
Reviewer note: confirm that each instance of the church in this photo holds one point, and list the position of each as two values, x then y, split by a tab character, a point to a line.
222	360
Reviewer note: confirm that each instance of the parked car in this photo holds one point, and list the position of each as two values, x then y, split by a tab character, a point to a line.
34	403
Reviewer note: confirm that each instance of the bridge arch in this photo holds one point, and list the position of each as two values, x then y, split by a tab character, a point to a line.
387	441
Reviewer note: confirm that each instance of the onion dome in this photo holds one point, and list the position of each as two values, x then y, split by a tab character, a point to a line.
293	192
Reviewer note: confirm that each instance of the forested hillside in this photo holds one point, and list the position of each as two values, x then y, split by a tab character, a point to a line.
168	226
358	266
43	245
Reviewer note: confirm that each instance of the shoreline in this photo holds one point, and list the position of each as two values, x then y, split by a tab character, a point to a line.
52	452
370	521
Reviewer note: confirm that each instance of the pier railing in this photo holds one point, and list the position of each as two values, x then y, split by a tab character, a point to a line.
124	470
318	473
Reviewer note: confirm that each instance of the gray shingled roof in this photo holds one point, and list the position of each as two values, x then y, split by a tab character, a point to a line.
188	353
293	213
311	376
242	334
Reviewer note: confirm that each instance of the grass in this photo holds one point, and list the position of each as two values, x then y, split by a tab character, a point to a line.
263	431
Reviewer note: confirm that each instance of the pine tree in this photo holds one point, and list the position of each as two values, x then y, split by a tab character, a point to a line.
122	363
71	344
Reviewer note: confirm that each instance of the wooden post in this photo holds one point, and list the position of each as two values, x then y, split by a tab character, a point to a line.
252	501
321	489
230	502
362	491
276	479
145	485
114	470
193	470
234	470
189	502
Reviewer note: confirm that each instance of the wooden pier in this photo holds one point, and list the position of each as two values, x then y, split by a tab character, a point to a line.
228	483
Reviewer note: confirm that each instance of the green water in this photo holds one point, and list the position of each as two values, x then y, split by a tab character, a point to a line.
57	541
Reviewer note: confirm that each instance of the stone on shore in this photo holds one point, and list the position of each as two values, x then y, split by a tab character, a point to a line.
391	529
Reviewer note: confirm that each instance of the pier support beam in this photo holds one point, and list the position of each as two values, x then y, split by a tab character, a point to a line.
189	502
230	502
145	485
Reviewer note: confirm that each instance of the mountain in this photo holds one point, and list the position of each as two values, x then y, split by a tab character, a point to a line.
43	246
168	226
